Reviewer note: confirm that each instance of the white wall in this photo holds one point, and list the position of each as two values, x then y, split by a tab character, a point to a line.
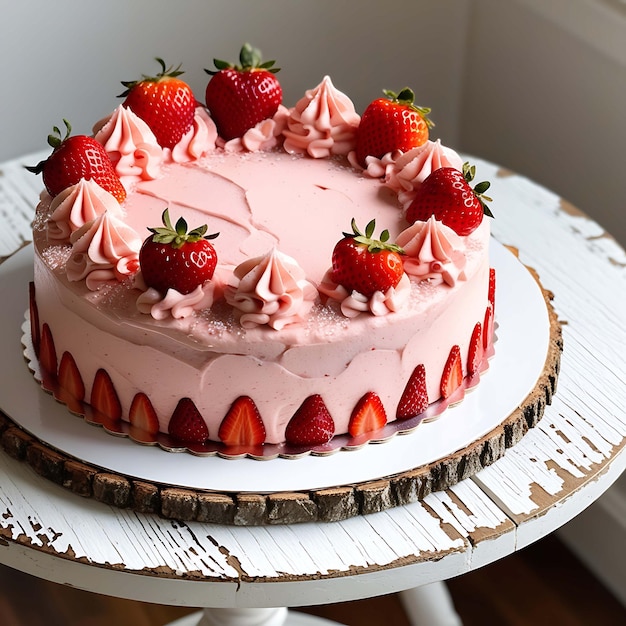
65	59
545	95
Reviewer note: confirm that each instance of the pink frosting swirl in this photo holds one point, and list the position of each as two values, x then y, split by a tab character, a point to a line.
410	170
174	304
103	250
198	140
131	146
270	289
323	122
75	206
379	303
434	252
267	134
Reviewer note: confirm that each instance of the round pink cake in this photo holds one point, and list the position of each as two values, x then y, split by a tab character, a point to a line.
271	327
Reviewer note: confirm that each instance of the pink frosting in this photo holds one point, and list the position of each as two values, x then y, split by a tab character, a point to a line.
379	303
323	123
270	289
104	249
77	205
131	146
267	134
197	141
434	252
410	170
174	304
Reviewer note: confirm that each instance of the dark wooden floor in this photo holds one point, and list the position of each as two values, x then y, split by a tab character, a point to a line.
543	585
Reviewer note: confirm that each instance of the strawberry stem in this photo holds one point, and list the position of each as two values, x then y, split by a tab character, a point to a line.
367	238
469	171
250	58
166	72
177	236
406	97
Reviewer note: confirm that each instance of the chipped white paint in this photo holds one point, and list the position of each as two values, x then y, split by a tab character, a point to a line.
561	466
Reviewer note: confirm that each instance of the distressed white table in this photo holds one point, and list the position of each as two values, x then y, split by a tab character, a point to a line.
243	573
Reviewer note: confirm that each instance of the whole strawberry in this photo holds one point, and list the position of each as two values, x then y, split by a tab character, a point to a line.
241	96
76	157
447	195
172	258
364	264
392	123
164	102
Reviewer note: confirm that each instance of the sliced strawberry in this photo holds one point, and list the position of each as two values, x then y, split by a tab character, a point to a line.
142	414
69	377
35	333
47	352
414	399
368	415
488	326
492	287
187	424
452	373
104	398
311	424
476	350
242	425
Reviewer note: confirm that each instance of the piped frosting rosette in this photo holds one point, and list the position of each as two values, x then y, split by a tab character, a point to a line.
434	252
265	135
173	303
354	303
323	122
77	205
270	290
131	146
197	141
410	169
103	250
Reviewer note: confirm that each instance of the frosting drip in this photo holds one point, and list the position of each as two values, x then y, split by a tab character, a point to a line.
104	249
77	205
270	289
434	252
323	123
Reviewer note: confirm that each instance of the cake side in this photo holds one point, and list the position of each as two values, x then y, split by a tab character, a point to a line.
211	359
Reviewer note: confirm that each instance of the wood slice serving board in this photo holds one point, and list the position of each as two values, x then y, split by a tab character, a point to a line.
466	438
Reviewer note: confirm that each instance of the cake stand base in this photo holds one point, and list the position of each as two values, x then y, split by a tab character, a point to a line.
429	605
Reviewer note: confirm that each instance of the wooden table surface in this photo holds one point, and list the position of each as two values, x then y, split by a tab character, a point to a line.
560	467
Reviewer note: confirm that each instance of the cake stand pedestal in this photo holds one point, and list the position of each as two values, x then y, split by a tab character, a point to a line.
429	605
